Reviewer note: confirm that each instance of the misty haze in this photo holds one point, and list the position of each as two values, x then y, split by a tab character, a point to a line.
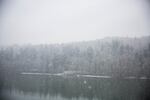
74	50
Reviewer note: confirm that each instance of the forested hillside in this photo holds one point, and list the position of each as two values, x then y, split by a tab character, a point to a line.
114	56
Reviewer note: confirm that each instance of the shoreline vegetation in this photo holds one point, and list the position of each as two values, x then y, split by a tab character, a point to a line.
114	56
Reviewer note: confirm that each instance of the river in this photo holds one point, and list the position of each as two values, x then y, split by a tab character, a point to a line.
42	87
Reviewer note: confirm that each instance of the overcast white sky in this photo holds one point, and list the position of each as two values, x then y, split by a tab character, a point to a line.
57	21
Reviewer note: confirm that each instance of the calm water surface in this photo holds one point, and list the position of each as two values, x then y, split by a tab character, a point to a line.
36	87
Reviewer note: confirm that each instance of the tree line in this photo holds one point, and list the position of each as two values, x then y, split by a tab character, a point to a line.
114	56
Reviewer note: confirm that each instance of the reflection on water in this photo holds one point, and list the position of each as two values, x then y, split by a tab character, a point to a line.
31	87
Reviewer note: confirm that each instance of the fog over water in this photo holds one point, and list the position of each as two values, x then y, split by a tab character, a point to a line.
115	65
57	21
